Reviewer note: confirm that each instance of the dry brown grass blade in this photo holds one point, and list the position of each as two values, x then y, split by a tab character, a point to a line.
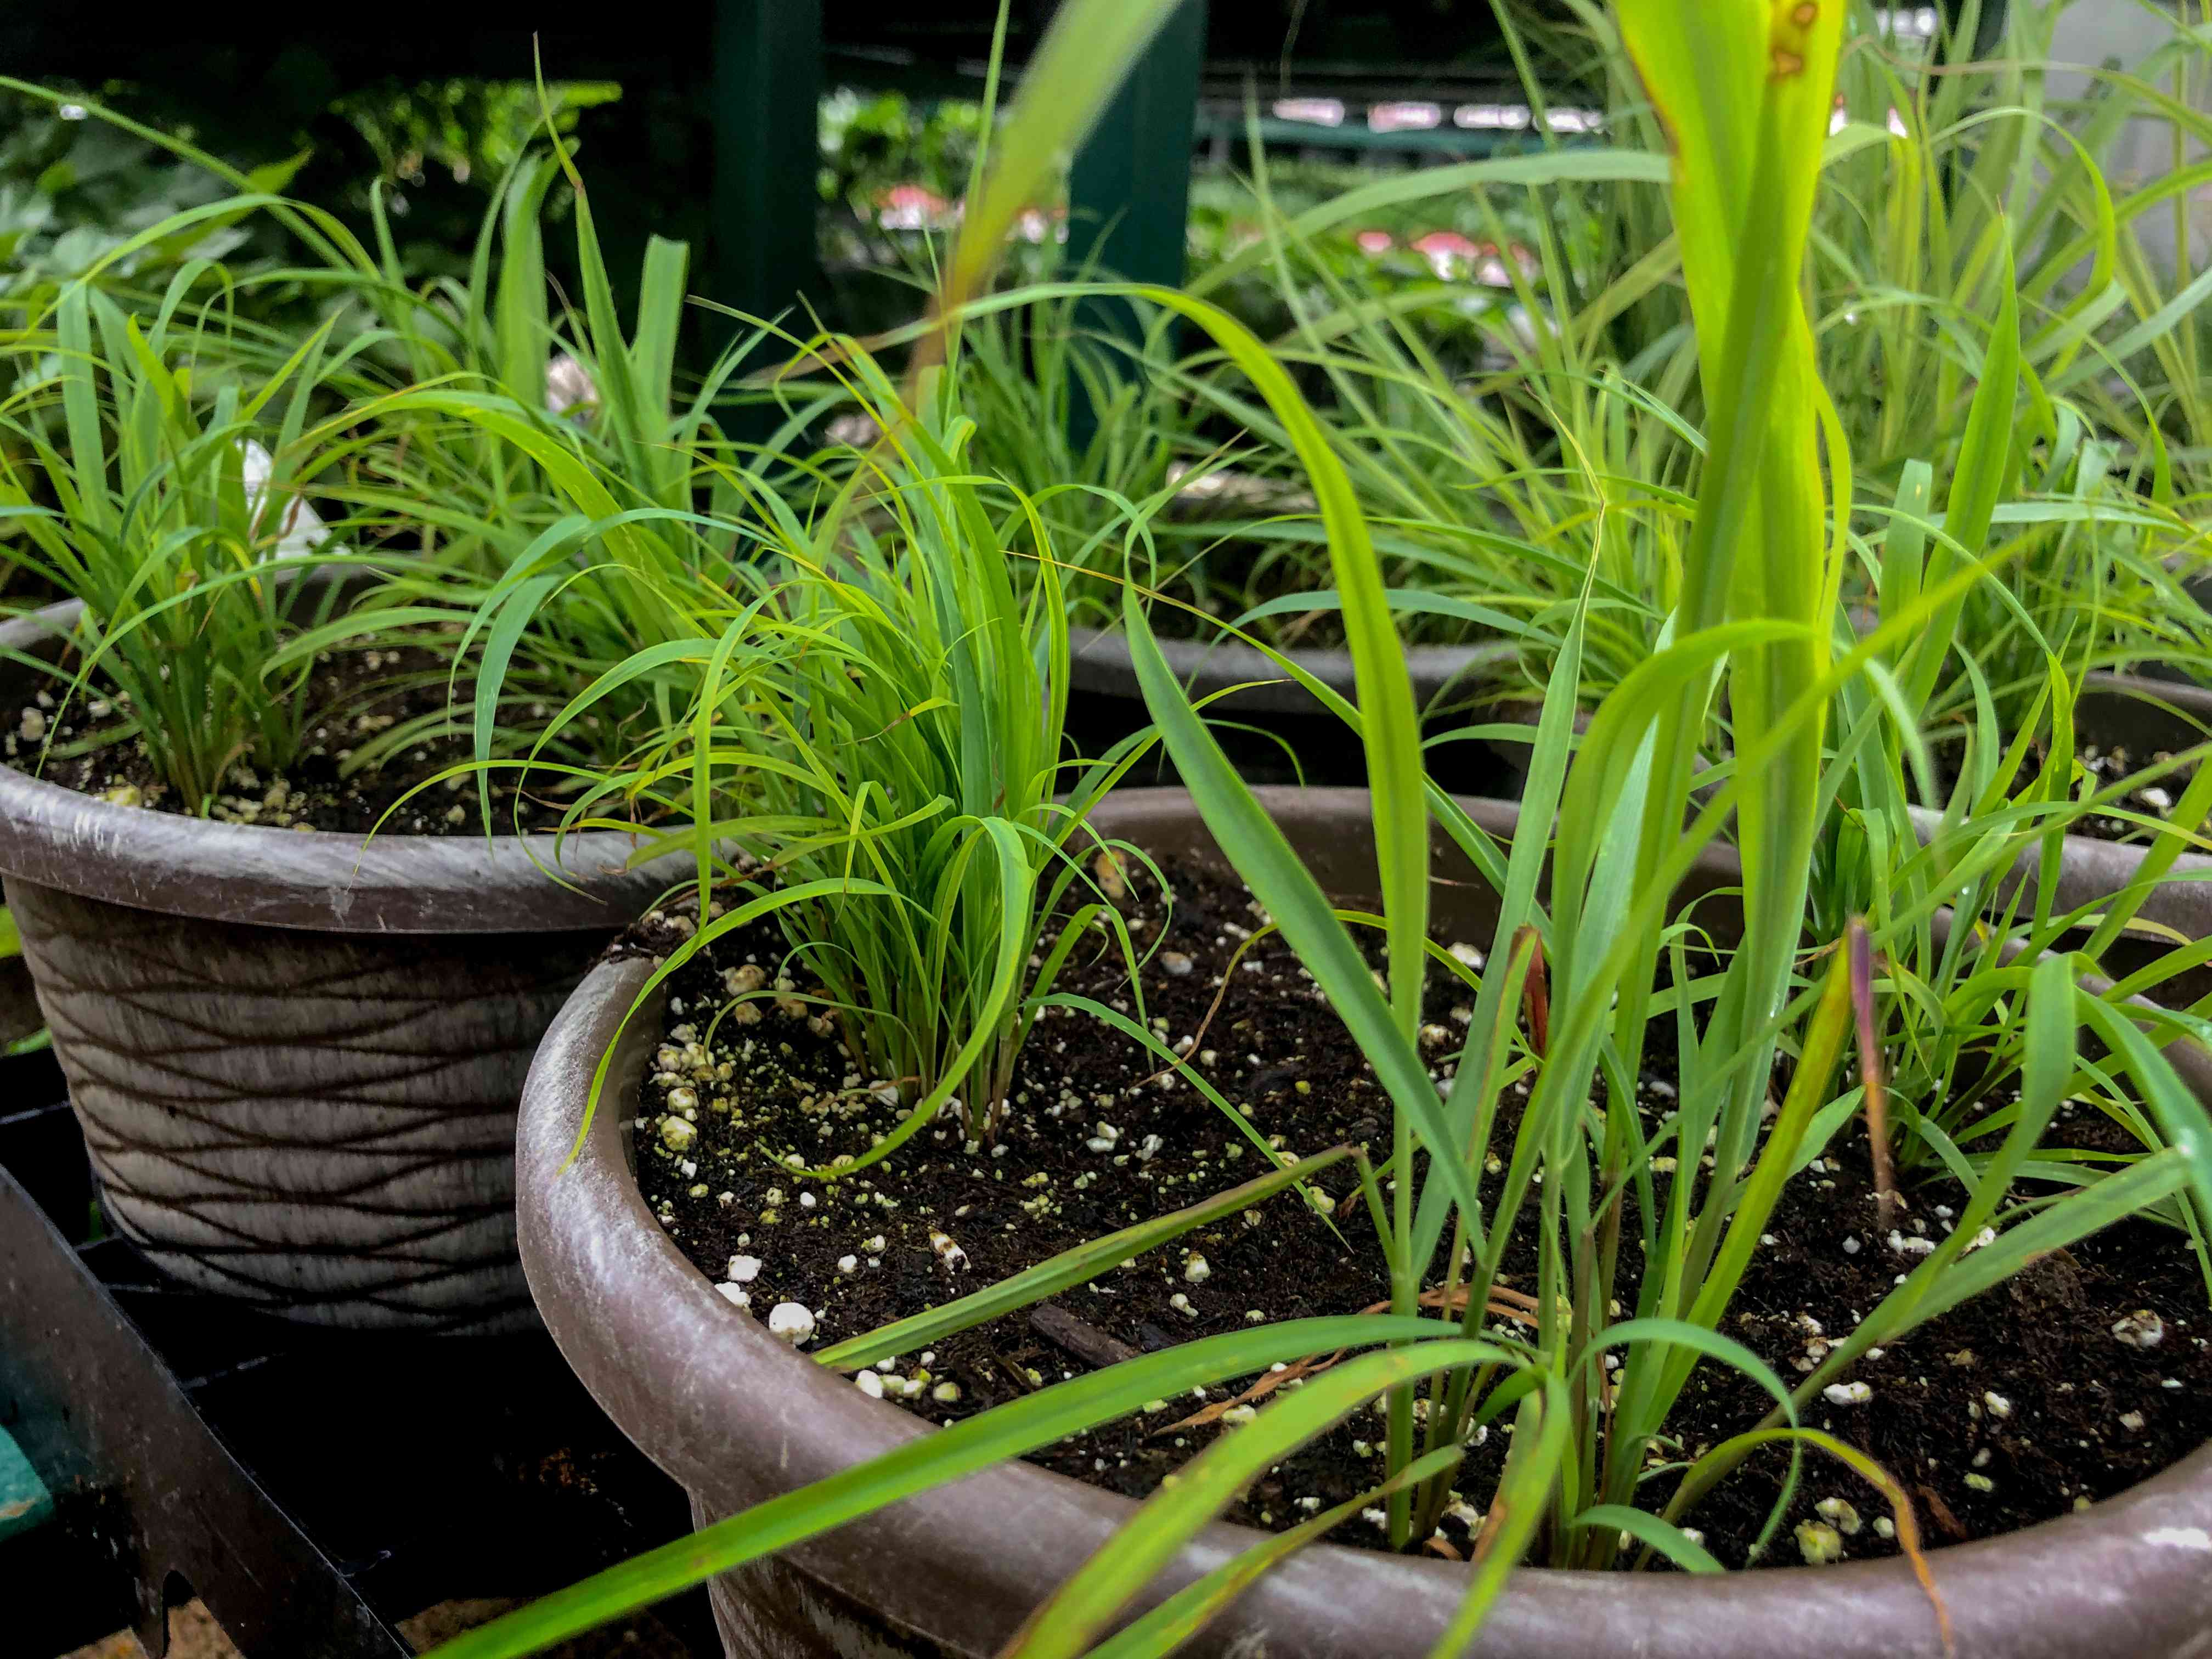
1536	991
1268	1383
1228	978
1486	1534
1908	1539
1870	1071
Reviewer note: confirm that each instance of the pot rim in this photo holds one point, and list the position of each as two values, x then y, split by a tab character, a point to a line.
1099	664
736	1416
320	881
2092	869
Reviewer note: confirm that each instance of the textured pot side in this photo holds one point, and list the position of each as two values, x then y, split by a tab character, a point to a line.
296	1059
737	1417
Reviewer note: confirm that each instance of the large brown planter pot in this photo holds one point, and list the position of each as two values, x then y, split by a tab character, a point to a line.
295	1057
737	1418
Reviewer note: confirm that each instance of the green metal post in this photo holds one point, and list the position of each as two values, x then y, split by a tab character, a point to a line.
1128	192
767	90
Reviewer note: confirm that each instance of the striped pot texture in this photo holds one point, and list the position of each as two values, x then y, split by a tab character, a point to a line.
324	1122
319	1118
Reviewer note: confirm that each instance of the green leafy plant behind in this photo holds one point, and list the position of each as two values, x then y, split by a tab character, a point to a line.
570	499
1931	171
511	453
1136	478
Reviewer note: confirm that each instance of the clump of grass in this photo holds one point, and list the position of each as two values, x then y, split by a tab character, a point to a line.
879	718
1120	497
568	498
161	504
1483	486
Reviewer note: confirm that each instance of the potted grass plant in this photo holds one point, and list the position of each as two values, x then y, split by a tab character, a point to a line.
2097	538
1144	498
294	1046
1508	504
1583	421
1562	1250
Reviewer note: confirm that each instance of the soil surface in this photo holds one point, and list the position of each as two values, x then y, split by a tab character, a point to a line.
351	771
2154	801
2130	818
2079	1378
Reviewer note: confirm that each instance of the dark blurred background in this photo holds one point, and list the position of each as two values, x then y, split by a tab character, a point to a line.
825	139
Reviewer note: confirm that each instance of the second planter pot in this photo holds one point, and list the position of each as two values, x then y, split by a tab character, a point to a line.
1272	727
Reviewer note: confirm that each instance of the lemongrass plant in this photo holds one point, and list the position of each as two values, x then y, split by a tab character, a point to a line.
1514	466
1936	159
2093	571
877	716
1482	492
142	476
2143	373
569	500
1758	598
1747	89
1469	498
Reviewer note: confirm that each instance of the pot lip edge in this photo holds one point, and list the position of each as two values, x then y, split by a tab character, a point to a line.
322	881
1083	635
1771	1588
1100	663
19	788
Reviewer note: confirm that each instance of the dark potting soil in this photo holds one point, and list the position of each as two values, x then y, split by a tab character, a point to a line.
88	746
2081	1376
2154	801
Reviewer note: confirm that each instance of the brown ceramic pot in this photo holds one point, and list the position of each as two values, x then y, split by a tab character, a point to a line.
1260	722
297	1058
736	1416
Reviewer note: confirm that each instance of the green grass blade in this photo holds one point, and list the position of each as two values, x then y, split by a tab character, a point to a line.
1168	1626
927	1461
1065	1625
1066	1270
